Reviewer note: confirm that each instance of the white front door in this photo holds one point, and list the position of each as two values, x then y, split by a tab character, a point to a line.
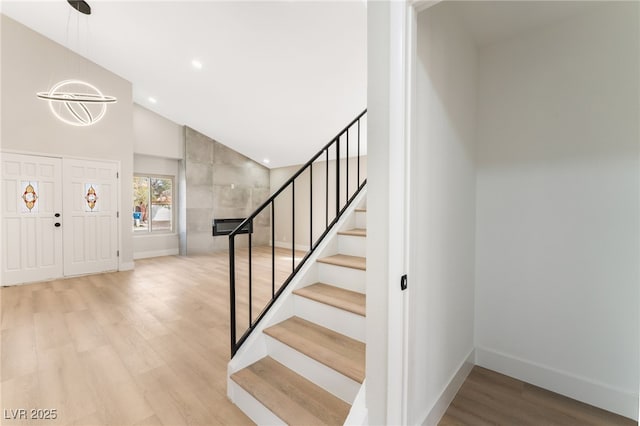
59	218
90	216
31	222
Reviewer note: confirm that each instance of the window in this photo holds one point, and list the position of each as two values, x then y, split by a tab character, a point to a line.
152	204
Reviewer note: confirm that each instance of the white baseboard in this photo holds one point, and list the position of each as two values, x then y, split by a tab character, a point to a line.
583	389
126	266
440	407
155	253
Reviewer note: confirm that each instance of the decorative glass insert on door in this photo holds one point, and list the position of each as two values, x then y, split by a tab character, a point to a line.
152	204
91	197
29	197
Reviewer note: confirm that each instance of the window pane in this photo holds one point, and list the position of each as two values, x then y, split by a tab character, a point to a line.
140	203
161	207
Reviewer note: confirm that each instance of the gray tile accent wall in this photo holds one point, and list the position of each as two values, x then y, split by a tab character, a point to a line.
221	183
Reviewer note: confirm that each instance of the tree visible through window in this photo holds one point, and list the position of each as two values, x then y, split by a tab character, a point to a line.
152	204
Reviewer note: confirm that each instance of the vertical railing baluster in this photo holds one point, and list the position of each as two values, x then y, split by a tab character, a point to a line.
358	153
273	249
337	177
232	292
346	194
293	225
311	207
326	190
250	284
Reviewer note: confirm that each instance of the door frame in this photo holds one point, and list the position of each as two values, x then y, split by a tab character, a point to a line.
62	157
392	100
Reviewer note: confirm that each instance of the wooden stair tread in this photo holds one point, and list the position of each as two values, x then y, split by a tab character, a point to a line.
339	352
361	210
347	300
355	262
356	232
290	396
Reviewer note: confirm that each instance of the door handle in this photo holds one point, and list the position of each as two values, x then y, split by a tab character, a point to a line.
57	224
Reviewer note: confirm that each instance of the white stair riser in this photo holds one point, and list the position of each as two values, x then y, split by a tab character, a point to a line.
253	408
361	219
340	276
352	246
349	223
327	378
336	319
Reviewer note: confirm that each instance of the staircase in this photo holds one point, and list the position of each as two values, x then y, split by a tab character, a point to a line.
305	364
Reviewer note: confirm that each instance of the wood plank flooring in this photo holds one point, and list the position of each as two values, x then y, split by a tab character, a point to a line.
490	398
143	347
151	346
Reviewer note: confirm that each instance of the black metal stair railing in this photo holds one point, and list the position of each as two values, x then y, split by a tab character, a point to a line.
339	150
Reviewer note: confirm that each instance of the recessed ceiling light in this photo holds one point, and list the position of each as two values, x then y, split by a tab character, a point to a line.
266	161
153	100
196	64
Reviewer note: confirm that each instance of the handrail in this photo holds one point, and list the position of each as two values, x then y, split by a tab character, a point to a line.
270	203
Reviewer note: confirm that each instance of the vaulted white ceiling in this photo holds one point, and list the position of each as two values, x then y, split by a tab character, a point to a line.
278	78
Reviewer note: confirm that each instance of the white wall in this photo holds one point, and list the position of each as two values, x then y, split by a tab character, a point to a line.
32	63
558	207
442	218
155	135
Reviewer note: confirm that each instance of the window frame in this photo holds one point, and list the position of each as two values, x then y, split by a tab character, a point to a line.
149	230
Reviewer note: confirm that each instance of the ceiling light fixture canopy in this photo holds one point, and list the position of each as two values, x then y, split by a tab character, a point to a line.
81	6
73	101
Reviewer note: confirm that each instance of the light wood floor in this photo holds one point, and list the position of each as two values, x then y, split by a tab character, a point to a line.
490	398
144	347
151	346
